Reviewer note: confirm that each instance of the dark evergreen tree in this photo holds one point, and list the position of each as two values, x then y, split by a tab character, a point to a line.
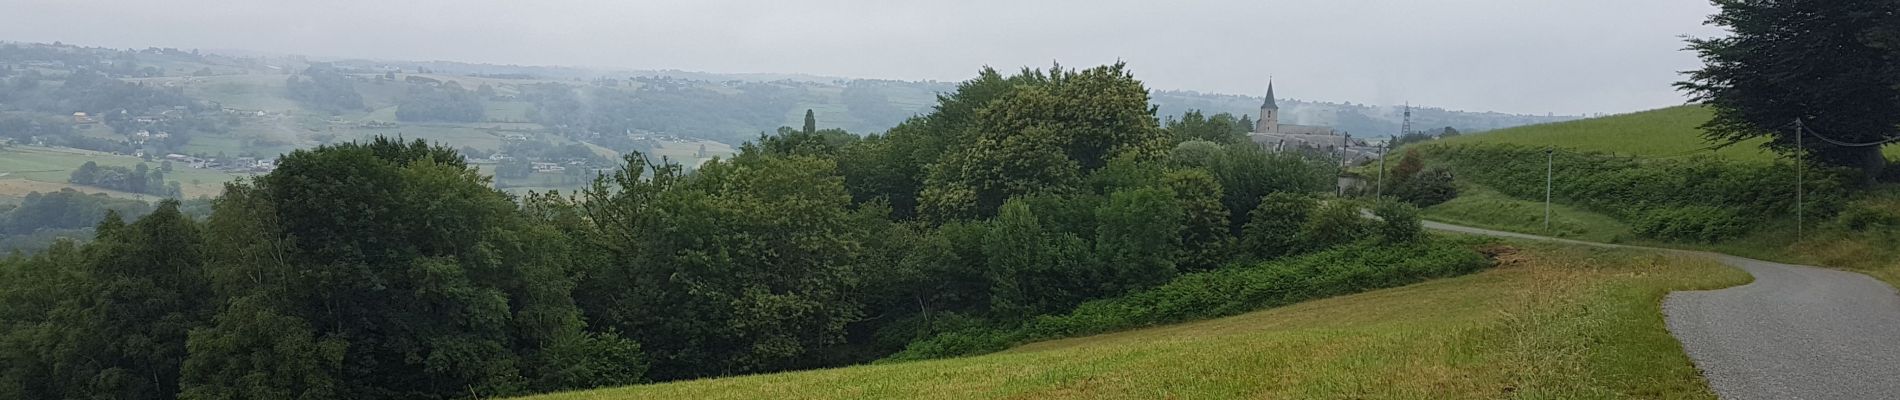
1834	65
811	122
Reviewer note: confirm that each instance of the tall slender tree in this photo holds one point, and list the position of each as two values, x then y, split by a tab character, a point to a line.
811	122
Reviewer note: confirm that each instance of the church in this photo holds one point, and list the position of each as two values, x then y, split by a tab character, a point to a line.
1272	135
1269	121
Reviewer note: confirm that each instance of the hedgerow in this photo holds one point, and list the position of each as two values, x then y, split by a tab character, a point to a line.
1236	289
1671	197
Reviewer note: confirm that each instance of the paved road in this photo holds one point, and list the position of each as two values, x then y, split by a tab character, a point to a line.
1797	332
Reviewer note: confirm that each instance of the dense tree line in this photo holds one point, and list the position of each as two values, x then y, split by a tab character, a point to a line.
664	105
137	179
65	209
394	270
85	90
1220	128
324	87
446	103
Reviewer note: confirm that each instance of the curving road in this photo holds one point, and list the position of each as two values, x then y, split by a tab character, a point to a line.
1797	332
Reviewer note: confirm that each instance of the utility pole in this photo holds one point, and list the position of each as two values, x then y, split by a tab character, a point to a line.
1343	139
1383	149
1550	168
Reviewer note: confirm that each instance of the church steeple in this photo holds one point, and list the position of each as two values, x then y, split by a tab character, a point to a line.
1269	121
1269	103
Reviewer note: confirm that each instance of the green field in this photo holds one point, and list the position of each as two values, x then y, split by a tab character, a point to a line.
54	166
1485	208
1663	132
1666	132
1553	322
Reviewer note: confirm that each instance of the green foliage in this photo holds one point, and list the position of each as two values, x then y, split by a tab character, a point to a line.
1876	215
1220	293
1138	234
323	87
756	261
392	269
116	320
1333	223
811	122
1034	270
65	209
1195	153
1630	188
1398	222
1695	223
1035	137
138	179
1247	174
1206	239
1427	188
788	142
400	258
891	167
1413	183
1221	128
1273	226
1830	64
446	102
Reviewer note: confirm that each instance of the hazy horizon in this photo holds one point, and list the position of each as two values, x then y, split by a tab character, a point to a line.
1569	59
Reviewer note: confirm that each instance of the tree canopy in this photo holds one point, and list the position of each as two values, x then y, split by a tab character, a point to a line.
1832	65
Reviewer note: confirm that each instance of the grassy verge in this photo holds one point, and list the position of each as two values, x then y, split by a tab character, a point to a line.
1553	322
1481	207
1871	252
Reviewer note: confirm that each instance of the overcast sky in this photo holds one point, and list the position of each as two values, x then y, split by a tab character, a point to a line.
1520	56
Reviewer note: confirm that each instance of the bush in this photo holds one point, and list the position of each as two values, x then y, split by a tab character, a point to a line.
1398	222
1427	188
1223	292
1273	227
1692	223
1870	214
1334	223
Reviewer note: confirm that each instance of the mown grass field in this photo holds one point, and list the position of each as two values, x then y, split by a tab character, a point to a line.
1550	323
1483	207
1665	132
54	166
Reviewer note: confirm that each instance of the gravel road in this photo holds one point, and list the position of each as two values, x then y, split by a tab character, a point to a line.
1796	332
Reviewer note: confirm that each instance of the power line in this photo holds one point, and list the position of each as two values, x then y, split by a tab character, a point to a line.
1803	127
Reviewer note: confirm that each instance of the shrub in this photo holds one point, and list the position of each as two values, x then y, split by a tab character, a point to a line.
1273	226
1427	188
1332	224
1870	214
1398	222
1692	223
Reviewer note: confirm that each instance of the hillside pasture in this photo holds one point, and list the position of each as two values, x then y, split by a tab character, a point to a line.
55	165
1554	322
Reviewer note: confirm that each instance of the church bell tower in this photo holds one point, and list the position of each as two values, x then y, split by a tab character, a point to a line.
1269	121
